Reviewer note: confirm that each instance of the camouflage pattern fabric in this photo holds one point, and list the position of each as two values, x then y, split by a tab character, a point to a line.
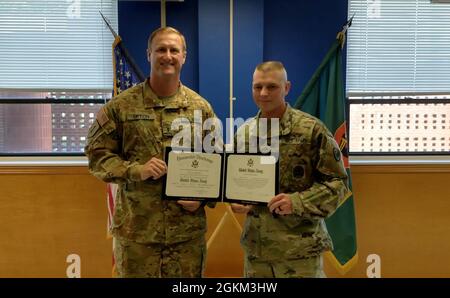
313	175
128	131
303	268
184	259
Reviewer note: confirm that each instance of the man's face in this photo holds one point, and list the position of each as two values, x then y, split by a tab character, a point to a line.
269	90
166	55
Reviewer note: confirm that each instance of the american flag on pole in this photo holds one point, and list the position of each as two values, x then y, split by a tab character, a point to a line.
126	74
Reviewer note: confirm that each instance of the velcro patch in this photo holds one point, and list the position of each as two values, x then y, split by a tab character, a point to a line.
102	118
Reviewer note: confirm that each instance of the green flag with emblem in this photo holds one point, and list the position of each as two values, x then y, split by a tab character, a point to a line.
324	98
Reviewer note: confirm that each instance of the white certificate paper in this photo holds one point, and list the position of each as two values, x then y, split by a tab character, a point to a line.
250	178
193	175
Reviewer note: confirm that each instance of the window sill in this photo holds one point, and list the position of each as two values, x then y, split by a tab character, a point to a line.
400	160
82	161
57	161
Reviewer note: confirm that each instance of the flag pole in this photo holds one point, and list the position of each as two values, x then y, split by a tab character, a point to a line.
342	34
109	25
348	24
118	42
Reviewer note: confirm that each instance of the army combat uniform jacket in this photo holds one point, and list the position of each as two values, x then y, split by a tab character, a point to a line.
128	131
312	173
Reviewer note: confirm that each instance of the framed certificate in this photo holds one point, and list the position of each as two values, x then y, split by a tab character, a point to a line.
193	176
250	178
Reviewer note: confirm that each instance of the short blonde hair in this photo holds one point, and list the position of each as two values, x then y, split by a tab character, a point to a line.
272	66
166	30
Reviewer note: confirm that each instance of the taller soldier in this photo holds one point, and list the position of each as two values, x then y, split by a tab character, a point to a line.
152	237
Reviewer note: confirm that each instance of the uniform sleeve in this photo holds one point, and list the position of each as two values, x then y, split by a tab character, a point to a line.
103	148
209	114
212	133
330	186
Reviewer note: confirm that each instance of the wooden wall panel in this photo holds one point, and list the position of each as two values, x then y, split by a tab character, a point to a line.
225	256
402	215
47	213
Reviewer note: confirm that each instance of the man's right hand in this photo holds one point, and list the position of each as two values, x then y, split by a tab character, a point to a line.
239	208
155	168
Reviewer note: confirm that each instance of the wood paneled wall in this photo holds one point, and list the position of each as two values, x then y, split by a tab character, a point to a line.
48	213
403	215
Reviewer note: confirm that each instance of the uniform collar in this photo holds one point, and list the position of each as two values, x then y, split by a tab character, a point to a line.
285	120
151	100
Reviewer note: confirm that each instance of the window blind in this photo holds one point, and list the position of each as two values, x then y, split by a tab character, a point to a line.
56	45
398	46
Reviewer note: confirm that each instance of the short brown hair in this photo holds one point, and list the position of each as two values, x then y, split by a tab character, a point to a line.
272	66
166	30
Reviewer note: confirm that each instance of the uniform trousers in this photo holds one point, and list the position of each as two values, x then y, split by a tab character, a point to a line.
184	259
297	268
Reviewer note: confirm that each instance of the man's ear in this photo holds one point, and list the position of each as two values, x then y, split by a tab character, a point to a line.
287	88
148	55
184	56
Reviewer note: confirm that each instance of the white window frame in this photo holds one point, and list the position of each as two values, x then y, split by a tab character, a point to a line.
408	76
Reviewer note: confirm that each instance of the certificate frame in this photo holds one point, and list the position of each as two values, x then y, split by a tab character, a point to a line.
186	194
275	172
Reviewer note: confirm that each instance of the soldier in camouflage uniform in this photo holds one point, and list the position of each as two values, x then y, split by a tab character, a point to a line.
152	237
287	237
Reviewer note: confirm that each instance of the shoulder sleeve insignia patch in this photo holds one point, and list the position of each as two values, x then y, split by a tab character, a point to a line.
337	154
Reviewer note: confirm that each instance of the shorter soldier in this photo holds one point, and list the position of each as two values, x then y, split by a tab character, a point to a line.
288	237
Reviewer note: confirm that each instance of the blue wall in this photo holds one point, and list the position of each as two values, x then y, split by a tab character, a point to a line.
138	19
184	17
297	33
214	53
248	52
214	78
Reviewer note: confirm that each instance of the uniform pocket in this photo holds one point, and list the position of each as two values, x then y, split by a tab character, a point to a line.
139	136
174	122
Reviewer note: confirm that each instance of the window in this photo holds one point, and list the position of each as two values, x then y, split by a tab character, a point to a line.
56	67
398	76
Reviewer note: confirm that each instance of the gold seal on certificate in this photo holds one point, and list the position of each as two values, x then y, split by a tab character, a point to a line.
250	178
193	175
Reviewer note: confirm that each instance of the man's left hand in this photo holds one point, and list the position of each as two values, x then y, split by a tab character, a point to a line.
280	204
190	206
